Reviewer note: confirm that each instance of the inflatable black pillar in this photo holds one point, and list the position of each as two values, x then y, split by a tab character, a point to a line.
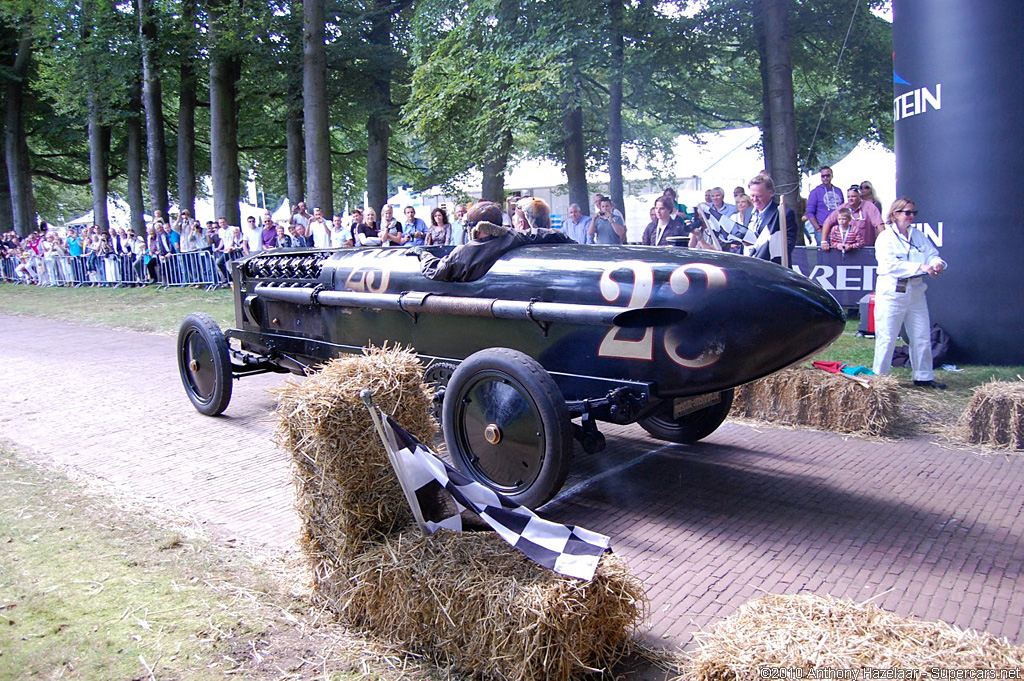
958	106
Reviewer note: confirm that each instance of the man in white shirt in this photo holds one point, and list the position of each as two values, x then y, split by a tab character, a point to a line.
319	229
223	230
253	234
340	236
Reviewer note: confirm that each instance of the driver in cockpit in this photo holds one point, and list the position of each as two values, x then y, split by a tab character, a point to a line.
490	240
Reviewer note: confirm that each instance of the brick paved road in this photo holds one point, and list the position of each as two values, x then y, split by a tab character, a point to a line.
926	530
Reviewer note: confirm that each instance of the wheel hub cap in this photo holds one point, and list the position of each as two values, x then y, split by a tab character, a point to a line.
492	433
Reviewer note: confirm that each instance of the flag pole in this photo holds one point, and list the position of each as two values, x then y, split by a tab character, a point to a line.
391	447
712	238
784	228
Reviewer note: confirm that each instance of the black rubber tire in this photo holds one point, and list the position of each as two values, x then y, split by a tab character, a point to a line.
512	391
690	428
208	381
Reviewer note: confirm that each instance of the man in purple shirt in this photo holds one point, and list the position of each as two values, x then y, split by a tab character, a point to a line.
268	237
824	199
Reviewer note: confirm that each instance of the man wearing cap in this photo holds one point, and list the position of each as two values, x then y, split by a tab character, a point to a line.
490	240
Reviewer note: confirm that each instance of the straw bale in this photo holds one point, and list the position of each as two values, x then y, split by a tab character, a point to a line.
470	601
805	632
818	399
995	415
346	492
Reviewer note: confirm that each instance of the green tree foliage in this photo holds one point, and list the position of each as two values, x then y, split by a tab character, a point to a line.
838	101
471	82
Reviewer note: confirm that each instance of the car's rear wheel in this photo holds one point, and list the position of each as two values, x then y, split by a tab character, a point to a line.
691	427
507	426
204	363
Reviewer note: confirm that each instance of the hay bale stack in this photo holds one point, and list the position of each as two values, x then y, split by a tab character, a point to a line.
465	599
470	601
818	399
346	492
995	415
808	631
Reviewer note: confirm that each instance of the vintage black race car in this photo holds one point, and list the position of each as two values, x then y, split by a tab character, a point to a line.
658	336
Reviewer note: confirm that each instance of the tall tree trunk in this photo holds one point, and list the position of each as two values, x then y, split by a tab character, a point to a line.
295	156
98	137
152	99
615	106
296	150
133	163
19	168
575	161
493	185
378	126
224	74
314	90
99	175
762	63
6	213
187	116
780	101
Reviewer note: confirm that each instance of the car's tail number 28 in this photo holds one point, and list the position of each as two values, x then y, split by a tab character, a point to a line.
613	345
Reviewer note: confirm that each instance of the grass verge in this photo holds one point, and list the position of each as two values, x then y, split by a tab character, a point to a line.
91	589
139	309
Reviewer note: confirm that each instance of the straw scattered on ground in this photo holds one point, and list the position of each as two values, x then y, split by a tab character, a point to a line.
470	601
817	399
994	416
809	631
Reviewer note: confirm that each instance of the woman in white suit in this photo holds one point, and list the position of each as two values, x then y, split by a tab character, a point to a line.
905	256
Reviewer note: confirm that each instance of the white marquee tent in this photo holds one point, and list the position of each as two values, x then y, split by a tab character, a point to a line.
118	215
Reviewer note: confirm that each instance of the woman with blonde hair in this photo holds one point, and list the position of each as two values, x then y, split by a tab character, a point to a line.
867	193
905	256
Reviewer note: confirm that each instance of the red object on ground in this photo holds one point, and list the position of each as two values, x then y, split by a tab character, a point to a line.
831	367
871	314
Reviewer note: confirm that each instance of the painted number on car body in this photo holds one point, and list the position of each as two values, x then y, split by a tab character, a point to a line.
613	345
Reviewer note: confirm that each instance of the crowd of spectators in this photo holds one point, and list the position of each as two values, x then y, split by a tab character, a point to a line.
831	219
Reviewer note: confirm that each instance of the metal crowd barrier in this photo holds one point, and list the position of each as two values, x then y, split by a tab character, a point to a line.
194	268
7	266
92	270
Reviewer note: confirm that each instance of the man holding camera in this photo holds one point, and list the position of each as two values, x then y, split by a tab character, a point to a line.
607	227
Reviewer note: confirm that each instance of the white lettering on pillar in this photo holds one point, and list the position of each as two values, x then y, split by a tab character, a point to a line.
916	102
934	235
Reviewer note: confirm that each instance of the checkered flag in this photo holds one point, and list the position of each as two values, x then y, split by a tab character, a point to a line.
739	232
775	237
443	497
